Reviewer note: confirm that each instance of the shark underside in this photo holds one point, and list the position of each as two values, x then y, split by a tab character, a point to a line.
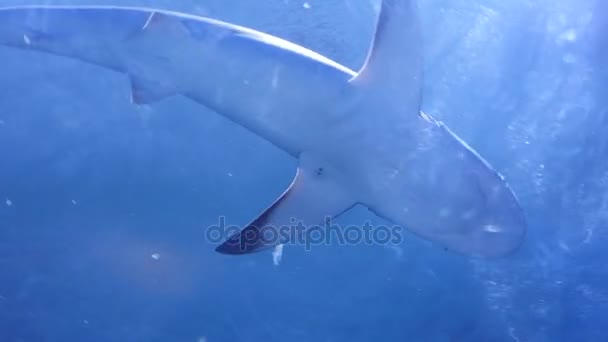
360	137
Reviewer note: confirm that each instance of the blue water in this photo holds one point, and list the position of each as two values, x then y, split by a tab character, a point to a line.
103	204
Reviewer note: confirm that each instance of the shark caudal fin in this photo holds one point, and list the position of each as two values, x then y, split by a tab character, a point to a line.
314	197
89	34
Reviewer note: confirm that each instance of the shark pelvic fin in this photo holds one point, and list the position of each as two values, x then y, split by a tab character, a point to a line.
313	198
146	92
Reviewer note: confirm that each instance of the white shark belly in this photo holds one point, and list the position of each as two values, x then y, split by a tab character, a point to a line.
259	92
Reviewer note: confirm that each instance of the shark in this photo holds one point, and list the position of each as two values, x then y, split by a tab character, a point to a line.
360	137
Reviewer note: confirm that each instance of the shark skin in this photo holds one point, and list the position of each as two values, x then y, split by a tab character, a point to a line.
360	137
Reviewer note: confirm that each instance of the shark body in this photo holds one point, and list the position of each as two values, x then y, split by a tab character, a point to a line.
360	137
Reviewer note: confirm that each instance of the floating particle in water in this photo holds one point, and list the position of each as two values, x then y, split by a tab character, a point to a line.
564	247
445	212
86	322
202	339
306	5
569	58
277	254
1	122
230	174
8	202
588	235
568	35
512	334
155	256
397	250
492	228
74	202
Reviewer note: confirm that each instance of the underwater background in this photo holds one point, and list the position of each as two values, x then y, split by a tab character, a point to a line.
104	204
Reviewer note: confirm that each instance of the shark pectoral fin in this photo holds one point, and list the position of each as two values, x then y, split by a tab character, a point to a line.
394	61
145	92
312	199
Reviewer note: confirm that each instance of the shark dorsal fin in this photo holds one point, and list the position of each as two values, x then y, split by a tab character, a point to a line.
147	89
395	58
166	23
